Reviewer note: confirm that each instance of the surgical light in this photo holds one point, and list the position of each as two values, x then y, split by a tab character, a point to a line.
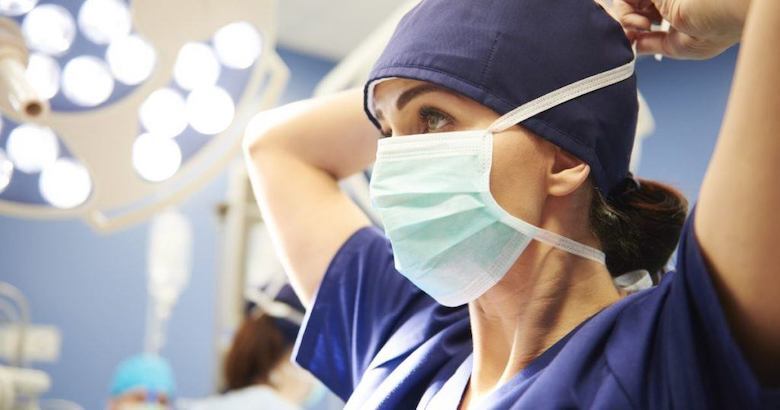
16	7
210	110
196	66
65	183
104	21
156	158
131	59
130	106
31	147
49	28
237	45
164	113
43	73
87	81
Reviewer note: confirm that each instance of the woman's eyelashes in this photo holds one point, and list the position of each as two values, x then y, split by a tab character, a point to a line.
428	120
433	120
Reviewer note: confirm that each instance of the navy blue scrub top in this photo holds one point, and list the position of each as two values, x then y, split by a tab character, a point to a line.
378	342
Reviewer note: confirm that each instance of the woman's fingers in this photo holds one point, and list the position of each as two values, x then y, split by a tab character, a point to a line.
635	17
637	7
635	22
675	44
698	30
651	43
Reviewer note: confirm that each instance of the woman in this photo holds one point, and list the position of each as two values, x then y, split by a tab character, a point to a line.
508	222
258	372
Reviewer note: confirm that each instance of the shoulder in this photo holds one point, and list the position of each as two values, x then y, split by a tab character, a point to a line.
671	344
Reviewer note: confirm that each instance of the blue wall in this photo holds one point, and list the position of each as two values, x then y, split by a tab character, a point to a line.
93	287
688	99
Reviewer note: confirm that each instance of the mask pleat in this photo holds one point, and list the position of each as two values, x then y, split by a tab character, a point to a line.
422	242
407	215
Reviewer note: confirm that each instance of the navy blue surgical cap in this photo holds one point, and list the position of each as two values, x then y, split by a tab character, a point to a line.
505	53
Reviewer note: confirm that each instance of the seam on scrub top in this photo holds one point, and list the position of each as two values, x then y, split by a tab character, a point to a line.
606	356
620	385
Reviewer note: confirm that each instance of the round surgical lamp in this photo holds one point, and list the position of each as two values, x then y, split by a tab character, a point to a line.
113	109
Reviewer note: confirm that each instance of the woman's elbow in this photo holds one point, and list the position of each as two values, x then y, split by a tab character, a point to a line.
257	137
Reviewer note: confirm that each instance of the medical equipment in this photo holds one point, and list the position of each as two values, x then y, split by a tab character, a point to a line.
169	259
20	342
19	95
139	103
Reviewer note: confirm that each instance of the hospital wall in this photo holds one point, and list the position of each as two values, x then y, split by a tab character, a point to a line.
92	286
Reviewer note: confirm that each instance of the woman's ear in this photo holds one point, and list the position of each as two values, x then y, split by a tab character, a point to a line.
567	173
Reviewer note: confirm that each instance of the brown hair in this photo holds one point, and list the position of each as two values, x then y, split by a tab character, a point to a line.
640	228
257	348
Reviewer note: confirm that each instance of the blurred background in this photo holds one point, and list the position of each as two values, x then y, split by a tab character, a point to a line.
86	272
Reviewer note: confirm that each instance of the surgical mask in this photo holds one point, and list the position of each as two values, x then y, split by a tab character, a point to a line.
432	191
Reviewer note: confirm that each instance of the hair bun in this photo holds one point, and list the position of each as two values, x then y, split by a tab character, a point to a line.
639	225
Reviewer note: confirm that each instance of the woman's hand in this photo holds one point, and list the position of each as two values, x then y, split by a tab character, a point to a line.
699	28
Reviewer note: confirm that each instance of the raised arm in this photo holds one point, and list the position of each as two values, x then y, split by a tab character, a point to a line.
295	155
737	219
738	222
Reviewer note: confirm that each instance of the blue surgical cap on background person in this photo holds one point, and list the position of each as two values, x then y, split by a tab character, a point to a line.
505	53
149	372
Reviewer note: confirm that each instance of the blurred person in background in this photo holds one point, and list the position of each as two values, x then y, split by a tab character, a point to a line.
258	372
144	382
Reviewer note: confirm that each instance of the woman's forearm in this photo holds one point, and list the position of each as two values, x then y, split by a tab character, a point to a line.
295	156
331	133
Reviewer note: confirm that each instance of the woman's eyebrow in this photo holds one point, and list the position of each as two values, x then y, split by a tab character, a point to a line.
407	96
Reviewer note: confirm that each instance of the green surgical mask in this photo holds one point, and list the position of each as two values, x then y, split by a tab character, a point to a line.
449	236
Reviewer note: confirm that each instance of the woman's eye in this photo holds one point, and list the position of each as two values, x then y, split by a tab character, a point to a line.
433	120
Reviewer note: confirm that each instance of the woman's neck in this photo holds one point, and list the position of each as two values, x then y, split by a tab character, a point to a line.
544	296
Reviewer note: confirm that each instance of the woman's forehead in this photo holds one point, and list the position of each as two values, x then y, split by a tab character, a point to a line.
395	93
390	88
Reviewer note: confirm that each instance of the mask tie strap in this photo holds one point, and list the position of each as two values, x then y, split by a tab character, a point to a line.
563	95
569	245
548	101
634	281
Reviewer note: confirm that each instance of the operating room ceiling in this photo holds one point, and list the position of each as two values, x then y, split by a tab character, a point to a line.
329	28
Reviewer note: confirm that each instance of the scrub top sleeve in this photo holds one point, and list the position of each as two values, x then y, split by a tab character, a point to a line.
698	340
361	301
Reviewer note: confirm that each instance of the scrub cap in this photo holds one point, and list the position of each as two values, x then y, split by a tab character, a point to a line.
145	371
289	326
505	53
286	310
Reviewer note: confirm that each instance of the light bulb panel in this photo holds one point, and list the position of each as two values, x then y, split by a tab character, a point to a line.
101	138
